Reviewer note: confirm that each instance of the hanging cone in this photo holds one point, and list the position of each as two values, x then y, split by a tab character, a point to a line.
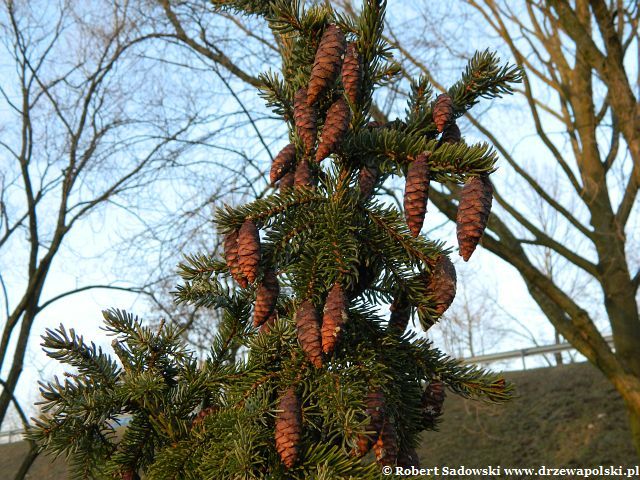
130	475
249	250
282	163
308	326
473	213
266	326
451	134
304	176
442	111
400	314
327	63
408	458
386	447
374	403
335	315
305	119
432	403
232	258
416	193
202	414
367	181
335	126
352	73
442	284
287	181
288	428
266	298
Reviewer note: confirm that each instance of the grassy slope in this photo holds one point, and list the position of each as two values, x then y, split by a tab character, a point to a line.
563	416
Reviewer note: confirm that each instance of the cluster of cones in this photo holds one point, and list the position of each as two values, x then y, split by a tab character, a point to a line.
477	193
335	58
292	167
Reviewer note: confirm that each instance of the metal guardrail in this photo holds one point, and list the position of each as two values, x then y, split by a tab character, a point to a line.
11	436
526	352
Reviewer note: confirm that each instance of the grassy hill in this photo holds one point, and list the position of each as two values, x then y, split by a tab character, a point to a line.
562	417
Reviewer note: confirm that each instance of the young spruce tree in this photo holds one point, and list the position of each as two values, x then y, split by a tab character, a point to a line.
327	388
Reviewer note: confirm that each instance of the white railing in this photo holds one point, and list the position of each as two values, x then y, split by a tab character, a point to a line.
526	352
11	436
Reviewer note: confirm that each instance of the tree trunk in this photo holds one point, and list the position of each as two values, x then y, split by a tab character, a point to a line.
629	388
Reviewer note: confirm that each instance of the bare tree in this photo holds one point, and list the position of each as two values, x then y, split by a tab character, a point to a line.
98	125
579	92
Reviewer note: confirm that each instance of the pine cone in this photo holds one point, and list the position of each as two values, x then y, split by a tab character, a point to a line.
442	111
287	181
288	428
386	447
335	126
304	177
451	134
416	193
374	403
432	403
408	458
473	213
335	315
282	163
367	181
442	284
249	250
266	326
305	119
308	325
352	73
232	258
130	475
400	314
327	62
202	414
266	298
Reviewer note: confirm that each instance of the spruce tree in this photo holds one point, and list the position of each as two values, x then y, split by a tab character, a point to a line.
326	387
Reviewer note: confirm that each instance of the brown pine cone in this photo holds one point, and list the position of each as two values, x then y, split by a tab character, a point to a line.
442	284
432	403
304	177
308	327
305	119
451	134
408	458
130	475
249	250
335	126
282	163
386	447
287	181
327	63
374	403
352	73
266	326
367	181
232	258
442	111
400	314
335	315
288	428
473	212
266	298
202	414
416	193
